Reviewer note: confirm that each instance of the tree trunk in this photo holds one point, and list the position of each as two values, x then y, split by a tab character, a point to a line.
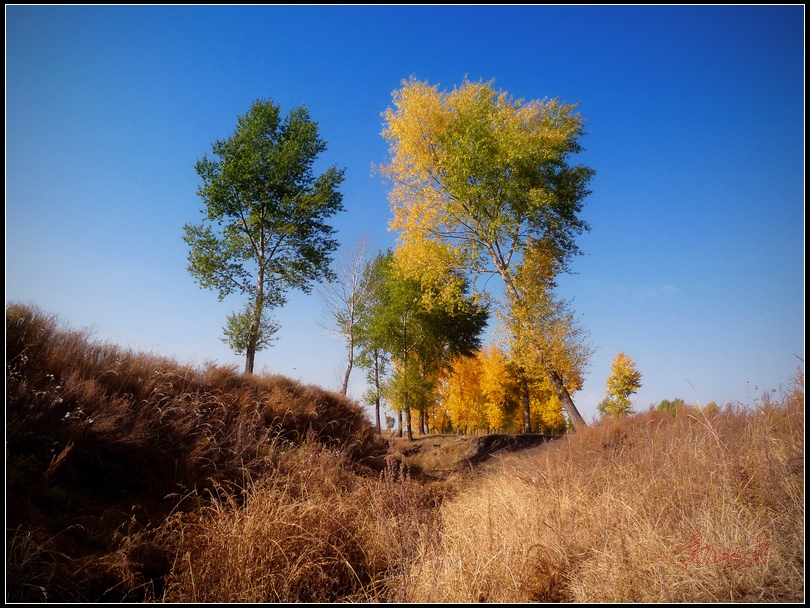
377	390
253	338
527	413
256	323
554	377
348	368
399	415
408	422
565	398
249	359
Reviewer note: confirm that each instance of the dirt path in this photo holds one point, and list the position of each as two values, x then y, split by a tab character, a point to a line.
439	456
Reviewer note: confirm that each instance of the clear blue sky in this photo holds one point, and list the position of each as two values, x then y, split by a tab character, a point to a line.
695	117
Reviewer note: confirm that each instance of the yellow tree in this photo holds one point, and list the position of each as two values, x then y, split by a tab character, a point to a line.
461	393
547	344
624	380
476	175
546	409
500	389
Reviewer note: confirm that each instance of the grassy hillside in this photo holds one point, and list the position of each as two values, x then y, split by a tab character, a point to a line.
103	445
130	477
695	507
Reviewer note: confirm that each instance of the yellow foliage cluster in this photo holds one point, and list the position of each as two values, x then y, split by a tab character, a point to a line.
481	184
433	265
457	162
486	392
545	407
624	380
462	395
500	389
543	331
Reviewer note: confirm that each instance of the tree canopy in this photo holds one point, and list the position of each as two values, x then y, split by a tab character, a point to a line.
346	295
478	180
264	229
624	380
420	333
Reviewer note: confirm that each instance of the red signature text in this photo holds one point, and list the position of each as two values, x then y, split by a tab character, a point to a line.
701	555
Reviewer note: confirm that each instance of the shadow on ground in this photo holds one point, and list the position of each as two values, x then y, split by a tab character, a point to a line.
434	457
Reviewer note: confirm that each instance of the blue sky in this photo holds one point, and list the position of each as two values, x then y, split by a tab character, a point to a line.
695	117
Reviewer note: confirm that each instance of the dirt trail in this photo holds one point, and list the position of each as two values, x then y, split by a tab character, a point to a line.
439	456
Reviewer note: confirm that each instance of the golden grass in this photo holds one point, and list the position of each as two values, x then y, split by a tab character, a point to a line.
607	515
308	531
102	444
131	477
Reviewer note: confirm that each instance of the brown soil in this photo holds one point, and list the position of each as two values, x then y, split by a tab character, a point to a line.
439	456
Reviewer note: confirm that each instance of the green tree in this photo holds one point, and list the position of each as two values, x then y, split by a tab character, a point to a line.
421	335
477	177
265	227
372	355
376	367
370	338
670	407
624	380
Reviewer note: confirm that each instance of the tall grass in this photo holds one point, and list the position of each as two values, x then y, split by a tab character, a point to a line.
309	532
103	443
654	508
298	535
130	477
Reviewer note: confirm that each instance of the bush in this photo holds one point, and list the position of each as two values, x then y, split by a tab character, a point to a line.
670	407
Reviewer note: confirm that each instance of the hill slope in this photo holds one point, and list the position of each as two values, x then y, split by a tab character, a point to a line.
130	477
103	442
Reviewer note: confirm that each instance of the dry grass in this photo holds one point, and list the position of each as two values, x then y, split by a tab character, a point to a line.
309	532
298	535
102	444
130	477
607	515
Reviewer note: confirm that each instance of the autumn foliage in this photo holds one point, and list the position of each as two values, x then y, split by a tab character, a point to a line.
486	393
624	380
482	184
